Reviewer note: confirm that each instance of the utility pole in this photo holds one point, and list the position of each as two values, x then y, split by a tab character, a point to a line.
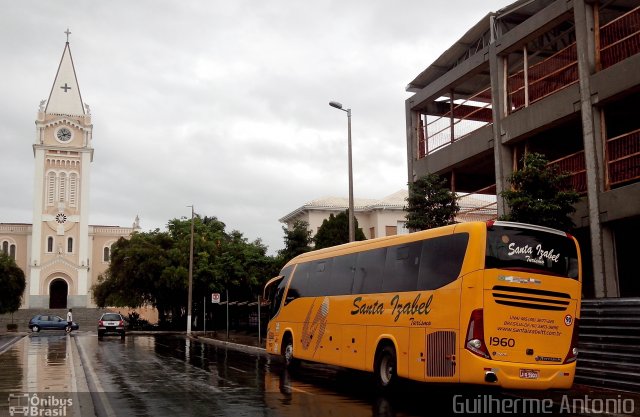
189	302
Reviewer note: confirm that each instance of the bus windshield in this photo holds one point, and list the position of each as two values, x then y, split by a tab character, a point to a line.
529	249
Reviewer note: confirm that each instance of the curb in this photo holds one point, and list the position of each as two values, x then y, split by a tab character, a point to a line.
230	345
15	339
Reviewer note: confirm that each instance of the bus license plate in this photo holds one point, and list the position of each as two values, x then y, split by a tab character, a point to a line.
529	373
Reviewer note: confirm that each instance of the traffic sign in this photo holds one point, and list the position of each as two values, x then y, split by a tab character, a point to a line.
215	297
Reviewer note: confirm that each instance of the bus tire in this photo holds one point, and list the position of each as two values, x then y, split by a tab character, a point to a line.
384	369
287	351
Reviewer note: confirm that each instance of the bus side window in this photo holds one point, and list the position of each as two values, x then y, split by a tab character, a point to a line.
369	271
341	280
319	275
442	259
401	268
299	283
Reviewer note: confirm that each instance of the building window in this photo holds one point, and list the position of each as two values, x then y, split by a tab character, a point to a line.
51	188
70	245
63	187
372	233
391	230
73	189
106	256
49	244
8	249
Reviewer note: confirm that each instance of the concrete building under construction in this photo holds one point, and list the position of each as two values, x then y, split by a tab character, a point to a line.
558	77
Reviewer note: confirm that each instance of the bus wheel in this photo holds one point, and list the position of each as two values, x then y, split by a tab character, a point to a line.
287	351
385	367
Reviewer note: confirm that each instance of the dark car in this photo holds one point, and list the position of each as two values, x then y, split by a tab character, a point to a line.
111	323
49	322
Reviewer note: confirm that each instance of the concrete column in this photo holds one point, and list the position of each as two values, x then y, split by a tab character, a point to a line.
38	206
83	234
412	125
592	138
502	154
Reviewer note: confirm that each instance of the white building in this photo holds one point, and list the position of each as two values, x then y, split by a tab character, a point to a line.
384	217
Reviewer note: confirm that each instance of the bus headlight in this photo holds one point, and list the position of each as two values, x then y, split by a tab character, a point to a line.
475	343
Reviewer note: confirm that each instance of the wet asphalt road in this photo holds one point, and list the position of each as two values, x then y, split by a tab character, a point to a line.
165	375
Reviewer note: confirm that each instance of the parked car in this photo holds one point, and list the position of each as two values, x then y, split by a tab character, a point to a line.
111	323
50	322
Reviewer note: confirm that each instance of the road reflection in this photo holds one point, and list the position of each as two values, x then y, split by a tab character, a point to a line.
311	389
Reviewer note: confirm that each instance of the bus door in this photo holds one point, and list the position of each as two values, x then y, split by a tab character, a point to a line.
274	291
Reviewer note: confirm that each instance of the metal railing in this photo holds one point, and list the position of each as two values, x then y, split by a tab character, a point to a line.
575	166
480	205
457	119
544	78
622	161
623	158
620	38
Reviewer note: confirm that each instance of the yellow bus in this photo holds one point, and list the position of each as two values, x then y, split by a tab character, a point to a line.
493	303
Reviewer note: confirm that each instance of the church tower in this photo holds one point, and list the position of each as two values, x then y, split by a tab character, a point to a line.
59	257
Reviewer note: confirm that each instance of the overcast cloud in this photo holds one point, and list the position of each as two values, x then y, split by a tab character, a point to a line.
223	105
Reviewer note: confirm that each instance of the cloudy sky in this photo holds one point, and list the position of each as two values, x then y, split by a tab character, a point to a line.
223	105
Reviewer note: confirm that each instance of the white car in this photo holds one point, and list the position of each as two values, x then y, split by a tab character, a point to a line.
111	323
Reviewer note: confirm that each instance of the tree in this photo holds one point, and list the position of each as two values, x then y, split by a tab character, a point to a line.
540	195
430	204
12	284
153	268
296	241
335	231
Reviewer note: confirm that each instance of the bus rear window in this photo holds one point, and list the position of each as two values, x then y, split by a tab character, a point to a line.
532	250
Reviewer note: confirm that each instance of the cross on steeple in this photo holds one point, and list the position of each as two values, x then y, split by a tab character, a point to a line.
65	87
68	32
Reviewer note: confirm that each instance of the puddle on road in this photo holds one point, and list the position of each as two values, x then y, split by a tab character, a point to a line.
37	363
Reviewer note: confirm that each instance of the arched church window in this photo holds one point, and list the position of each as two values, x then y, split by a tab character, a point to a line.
63	187
51	188
12	252
73	189
49	244
5	247
70	245
106	255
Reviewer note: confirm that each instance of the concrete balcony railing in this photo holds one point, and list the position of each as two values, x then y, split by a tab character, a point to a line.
622	161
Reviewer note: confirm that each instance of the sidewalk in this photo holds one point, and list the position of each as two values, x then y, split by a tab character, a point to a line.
236	340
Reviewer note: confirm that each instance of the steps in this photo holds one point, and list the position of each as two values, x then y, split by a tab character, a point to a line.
87	318
610	343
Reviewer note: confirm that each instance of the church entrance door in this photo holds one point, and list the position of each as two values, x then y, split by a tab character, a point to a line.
58	291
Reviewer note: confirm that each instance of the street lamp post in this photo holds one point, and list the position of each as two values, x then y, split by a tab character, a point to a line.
189	302
352	231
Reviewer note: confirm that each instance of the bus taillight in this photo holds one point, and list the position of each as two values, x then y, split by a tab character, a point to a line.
572	355
475	335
